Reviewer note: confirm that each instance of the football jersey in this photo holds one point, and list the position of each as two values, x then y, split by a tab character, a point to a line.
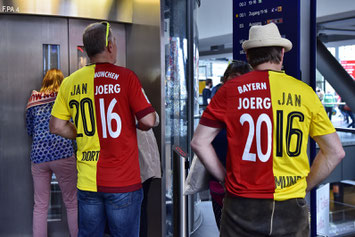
268	116
103	100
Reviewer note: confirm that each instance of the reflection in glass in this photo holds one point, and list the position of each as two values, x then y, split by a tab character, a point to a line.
341	190
176	111
51	58
342	116
336	209
55	203
213	69
83	59
177	85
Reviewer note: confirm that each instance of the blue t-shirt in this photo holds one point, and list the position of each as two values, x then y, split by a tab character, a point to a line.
215	89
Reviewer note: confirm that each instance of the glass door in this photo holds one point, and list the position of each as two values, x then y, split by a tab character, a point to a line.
181	106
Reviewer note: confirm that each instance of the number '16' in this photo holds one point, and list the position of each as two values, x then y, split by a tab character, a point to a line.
290	131
107	119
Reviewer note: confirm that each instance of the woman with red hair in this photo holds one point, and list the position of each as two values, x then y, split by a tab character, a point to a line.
50	154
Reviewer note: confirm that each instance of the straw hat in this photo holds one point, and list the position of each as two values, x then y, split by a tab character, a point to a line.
264	36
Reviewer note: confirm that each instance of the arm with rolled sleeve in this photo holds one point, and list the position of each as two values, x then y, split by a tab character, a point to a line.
210	124
147	122
329	156
62	128
59	123
331	151
201	144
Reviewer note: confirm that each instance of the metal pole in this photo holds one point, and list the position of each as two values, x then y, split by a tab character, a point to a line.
190	78
313	48
179	200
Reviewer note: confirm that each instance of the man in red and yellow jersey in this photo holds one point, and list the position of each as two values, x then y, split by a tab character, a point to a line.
103	100
269	117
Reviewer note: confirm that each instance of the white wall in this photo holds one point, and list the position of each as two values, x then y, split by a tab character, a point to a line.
215	18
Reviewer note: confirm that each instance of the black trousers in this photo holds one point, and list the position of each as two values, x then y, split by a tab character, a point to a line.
329	111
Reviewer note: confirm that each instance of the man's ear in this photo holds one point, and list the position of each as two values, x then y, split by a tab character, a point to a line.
110	46
282	54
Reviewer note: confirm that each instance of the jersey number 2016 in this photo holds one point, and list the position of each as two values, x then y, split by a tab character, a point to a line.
106	118
256	131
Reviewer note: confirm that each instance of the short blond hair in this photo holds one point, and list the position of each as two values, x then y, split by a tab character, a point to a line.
52	80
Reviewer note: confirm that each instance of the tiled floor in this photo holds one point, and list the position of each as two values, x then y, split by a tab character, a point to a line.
208	227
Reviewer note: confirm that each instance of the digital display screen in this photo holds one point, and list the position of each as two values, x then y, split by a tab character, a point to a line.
284	13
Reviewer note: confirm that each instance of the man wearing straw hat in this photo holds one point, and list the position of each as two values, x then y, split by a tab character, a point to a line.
269	117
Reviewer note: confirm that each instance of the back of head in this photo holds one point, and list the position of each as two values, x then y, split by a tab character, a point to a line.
257	56
51	81
209	82
94	38
236	68
265	45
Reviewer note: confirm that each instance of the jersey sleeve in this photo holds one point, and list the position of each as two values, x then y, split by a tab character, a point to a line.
320	124
138	100
214	114
60	108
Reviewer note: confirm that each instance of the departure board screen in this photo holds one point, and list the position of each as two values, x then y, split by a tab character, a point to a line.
284	13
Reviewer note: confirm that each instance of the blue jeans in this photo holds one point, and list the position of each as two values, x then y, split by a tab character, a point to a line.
122	211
